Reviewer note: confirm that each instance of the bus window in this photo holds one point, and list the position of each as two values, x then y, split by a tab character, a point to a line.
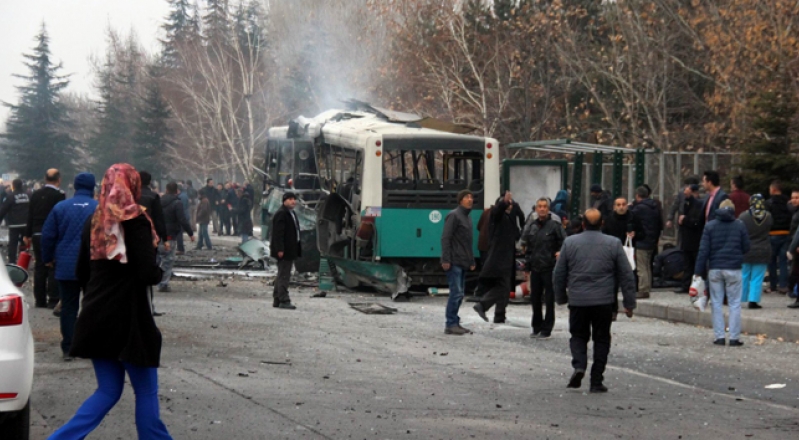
462	171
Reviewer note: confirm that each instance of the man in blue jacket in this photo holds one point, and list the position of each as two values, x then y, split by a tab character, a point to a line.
61	239
725	240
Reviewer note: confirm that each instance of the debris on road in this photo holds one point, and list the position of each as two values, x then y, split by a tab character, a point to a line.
775	386
373	308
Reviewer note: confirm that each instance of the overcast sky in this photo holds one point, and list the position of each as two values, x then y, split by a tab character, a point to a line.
76	29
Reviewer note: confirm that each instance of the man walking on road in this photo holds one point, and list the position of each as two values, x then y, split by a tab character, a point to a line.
590	266
45	288
61	241
212	194
457	257
542	247
498	265
151	202
14	211
649	217
176	223
286	247
721	257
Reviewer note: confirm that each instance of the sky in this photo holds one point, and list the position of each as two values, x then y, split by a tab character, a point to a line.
77	31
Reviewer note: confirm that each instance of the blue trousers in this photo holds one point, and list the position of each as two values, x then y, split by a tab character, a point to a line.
110	381
725	282
70	302
456	278
753	275
203	237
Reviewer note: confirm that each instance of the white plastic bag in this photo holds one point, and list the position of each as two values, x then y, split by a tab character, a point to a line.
629	250
698	293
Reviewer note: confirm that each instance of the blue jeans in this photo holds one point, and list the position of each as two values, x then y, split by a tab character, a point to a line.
204	238
69	292
725	282
779	251
752	275
110	382
456	277
167	260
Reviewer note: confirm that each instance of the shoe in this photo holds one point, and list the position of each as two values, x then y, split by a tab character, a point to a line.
794	305
576	379
275	304
456	330
41	305
735	343
57	310
53	305
543	335
535	334
754	305
681	291
465	329
499	320
782	290
642	295
68	358
720	342
156	314
287	306
598	388
164	288
480	311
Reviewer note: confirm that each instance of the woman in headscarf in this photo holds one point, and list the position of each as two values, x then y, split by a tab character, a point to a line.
115	328
758	223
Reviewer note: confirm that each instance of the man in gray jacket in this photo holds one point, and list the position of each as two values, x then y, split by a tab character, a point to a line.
457	257
590	264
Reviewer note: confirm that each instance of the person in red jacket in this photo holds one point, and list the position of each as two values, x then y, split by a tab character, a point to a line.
738	196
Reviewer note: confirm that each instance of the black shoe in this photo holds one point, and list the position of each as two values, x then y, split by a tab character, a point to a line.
157	314
754	305
794	305
287	306
535	334
164	288
543	335
275	304
576	380
598	388
735	343
480	311
41	305
720	342
499	319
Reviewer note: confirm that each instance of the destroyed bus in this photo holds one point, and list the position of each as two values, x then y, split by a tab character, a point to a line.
380	185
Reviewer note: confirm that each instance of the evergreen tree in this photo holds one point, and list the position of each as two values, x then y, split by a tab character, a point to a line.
767	153
216	21
179	27
152	133
36	127
248	22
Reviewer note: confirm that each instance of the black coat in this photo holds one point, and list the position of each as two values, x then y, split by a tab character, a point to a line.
152	203
692	225
284	235
503	231
778	207
42	201
543	242
618	226
115	320
175	217
244	211
650	219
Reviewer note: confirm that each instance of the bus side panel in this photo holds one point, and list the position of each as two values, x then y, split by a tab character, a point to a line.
414	233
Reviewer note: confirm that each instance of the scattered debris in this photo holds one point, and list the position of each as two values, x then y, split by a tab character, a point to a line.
775	386
286	362
322	294
244	375
373	308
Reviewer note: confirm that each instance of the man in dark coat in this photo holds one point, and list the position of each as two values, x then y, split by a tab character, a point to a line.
61	241
244	212
601	200
777	205
152	204
692	222
590	266
285	246
621	223
497	267
212	194
176	223
715	195
222	211
42	201
457	257
233	203
14	211
738	196
542	247
650	219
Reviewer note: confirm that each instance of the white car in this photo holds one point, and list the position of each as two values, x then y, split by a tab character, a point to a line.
16	356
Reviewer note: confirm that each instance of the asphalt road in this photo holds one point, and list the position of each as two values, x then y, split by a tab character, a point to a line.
234	367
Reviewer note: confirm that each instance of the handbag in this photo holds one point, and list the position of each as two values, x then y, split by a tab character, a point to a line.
629	251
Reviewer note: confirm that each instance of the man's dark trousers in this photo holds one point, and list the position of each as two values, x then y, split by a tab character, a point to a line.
14	239
70	301
585	323
688	269
281	292
45	287
497	292
541	290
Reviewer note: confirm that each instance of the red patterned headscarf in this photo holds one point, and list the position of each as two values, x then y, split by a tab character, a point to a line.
119	194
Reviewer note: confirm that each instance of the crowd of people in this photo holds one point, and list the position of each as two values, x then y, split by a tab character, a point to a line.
729	241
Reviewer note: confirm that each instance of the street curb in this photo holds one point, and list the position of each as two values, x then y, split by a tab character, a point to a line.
774	329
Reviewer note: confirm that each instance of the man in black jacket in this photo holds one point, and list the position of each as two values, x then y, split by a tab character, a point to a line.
542	248
42	201
498	264
621	223
152	203
176	223
692	222
650	219
15	211
777	205
285	246
210	192
457	257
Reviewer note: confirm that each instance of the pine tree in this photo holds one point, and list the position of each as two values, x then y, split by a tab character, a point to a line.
179	29
36	126
216	21
248	22
152	133
767	153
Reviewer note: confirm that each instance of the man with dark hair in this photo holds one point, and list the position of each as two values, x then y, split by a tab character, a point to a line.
42	201
715	195
176	223
692	223
498	265
15	211
457	257
677	206
193	202
650	219
590	266
152	204
542	247
738	196
601	200
212	194
285	246
777	205
222	211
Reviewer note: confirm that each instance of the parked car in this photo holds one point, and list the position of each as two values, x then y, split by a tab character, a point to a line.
16	355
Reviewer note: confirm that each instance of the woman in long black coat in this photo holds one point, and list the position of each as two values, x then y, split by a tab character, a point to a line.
115	328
